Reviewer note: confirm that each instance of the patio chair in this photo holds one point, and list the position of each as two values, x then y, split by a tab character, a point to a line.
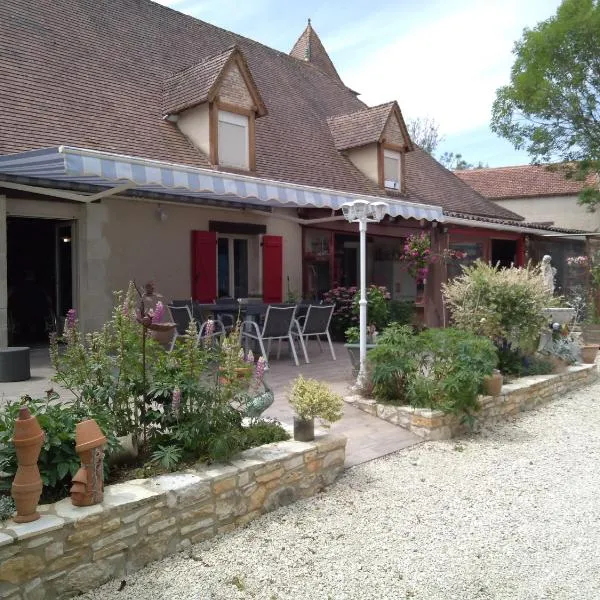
278	325
315	324
218	332
182	317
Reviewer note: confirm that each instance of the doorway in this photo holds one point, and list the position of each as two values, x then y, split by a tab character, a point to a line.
504	252
40	277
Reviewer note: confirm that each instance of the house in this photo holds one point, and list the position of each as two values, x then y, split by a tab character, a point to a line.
141	143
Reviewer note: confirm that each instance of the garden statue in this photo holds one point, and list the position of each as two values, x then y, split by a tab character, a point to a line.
548	272
27	484
88	483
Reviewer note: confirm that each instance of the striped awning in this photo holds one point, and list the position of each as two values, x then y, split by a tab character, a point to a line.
92	167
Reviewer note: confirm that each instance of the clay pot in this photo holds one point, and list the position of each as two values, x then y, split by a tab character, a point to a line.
492	384
304	430
88	483
27	484
589	352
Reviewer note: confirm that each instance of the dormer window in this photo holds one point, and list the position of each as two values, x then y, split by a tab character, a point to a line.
234	140
391	169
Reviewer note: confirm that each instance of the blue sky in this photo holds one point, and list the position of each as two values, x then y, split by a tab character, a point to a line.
442	59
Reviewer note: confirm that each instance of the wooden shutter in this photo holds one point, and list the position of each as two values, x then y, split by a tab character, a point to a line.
204	266
272	268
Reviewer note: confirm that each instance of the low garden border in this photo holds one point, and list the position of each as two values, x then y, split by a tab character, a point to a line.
518	396
70	550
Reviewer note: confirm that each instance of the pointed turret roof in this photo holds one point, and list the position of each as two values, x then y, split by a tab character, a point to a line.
309	48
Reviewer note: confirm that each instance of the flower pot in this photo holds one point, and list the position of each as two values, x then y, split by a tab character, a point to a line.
27	485
88	435
589	352
240	373
304	430
591	333
88	483
492	384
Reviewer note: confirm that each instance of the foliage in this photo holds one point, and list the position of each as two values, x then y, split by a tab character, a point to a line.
438	368
417	255
565	347
168	457
537	365
312	399
353	335
377	306
550	107
401	311
7	508
58	461
505	305
264	431
456	162
425	133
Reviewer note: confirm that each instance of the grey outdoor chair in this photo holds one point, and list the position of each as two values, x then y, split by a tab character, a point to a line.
182	317
278	325
315	324
213	337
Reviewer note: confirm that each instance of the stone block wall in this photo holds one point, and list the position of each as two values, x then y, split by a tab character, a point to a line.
521	395
70	550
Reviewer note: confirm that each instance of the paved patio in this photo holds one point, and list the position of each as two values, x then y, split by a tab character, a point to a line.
368	437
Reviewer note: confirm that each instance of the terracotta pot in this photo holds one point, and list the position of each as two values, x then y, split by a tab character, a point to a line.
589	352
88	435
492	384
27	484
304	430
240	373
88	483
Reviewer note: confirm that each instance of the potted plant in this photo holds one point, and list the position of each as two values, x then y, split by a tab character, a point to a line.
312	399
589	352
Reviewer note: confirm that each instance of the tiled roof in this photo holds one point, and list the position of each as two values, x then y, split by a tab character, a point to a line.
438	185
514	223
309	48
361	127
90	73
192	85
524	181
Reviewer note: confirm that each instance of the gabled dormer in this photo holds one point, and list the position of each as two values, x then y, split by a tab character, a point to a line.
214	103
375	140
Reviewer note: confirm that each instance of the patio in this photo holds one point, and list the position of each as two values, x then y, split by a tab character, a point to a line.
368	436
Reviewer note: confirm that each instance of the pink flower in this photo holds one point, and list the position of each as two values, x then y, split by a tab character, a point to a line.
260	369
71	318
176	400
159	311
210	327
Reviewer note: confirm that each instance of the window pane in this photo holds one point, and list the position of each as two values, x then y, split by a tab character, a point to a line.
391	172
223	267
240	268
233	145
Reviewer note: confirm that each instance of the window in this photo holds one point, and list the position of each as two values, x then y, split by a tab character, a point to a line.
233	141
236	277
391	170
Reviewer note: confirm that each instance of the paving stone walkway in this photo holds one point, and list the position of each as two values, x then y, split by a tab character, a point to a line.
368	437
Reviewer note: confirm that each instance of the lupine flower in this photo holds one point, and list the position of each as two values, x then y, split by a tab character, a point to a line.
250	357
159	311
241	354
259	372
210	327
176	400
71	318
125	308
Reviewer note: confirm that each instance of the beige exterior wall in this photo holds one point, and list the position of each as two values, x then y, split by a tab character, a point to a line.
142	247
194	124
365	160
564	211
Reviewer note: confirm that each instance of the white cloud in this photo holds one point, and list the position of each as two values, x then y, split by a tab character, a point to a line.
449	66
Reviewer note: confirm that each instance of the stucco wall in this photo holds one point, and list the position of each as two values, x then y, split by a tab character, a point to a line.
365	159
563	210
194	124
143	247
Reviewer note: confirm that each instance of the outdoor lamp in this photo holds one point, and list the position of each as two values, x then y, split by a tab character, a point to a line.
363	212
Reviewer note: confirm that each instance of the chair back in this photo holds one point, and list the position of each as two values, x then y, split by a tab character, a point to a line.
181	303
278	321
317	319
182	315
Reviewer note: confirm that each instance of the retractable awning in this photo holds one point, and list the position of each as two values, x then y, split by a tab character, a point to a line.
120	172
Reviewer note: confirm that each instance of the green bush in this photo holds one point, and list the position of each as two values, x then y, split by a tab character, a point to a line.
401	311
264	431
438	368
58	460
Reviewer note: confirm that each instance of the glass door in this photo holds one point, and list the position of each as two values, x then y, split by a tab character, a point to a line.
232	267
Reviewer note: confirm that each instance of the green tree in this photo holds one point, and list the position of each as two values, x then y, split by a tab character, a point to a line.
456	162
551	108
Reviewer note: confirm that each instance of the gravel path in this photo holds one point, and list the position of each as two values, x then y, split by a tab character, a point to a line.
510	514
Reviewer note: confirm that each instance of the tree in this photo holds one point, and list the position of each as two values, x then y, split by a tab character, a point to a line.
551	108
455	162
425	132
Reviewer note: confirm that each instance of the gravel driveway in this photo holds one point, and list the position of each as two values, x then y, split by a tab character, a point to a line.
511	514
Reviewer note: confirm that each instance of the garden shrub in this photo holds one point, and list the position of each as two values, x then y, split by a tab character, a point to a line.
504	304
438	368
401	312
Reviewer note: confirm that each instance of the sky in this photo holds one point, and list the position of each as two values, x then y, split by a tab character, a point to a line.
442	59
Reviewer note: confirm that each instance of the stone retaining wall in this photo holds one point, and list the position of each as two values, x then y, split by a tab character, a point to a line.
521	395
70	549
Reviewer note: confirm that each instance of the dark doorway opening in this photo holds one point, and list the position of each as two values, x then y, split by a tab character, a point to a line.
40	276
504	252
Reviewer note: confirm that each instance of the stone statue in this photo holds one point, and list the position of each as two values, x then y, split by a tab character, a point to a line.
548	272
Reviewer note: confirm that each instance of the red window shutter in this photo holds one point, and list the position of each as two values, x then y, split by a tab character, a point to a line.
272	268
204	266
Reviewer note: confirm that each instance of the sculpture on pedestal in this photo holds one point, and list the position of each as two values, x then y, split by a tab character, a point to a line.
27	484
548	272
88	483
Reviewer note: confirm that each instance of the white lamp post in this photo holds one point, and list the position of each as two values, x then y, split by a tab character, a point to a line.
363	212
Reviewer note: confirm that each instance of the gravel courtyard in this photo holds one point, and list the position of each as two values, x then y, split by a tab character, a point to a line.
510	514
